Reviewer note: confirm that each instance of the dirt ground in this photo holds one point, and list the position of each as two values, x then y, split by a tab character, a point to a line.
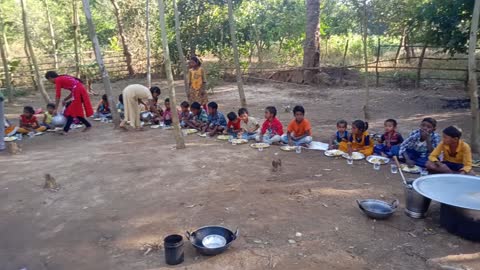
121	190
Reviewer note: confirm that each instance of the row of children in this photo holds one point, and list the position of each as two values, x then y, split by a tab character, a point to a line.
29	123
423	147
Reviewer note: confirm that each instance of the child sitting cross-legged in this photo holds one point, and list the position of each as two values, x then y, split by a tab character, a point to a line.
167	113
249	125
216	120
272	128
185	114
28	122
457	156
199	117
103	109
233	125
390	139
359	140
340	136
299	131
121	106
48	116
420	143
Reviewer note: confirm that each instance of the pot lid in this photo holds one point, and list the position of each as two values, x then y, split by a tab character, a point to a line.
452	189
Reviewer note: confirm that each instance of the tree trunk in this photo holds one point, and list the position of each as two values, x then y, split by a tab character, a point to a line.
101	65
147	40
123	38
472	80
419	67
365	58
236	58
30	66
52	34
3	52
377	74
168	70
2	125
311	55
7	47
38	77
76	38
397	54
406	40
183	62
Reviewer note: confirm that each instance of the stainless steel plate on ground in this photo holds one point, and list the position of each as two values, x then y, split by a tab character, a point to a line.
452	189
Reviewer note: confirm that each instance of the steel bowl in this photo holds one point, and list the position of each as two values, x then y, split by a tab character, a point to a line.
212	235
377	209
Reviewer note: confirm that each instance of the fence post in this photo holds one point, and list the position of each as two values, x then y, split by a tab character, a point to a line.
2	124
376	64
420	64
343	61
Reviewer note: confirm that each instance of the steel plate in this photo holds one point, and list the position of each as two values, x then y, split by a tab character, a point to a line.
452	189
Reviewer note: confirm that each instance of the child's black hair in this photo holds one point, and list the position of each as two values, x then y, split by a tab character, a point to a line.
361	125
185	104
120	98
242	111
272	110
342	122
430	120
213	105
196	60
298	108
29	109
167	100
50	106
232	116
393	121
195	105
155	90
105	98
453	132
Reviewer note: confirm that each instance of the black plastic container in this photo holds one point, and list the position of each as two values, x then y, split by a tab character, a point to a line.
462	222
173	245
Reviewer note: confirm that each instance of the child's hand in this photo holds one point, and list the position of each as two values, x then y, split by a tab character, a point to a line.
410	163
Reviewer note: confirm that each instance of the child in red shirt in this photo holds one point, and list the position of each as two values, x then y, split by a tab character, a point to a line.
28	122
272	129
233	125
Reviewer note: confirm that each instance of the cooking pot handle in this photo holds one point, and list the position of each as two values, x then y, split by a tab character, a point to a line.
360	205
188	235
235	234
395	204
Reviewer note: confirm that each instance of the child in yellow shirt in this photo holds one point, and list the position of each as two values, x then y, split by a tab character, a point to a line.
457	156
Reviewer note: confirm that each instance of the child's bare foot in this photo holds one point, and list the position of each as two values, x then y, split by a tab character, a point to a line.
86	129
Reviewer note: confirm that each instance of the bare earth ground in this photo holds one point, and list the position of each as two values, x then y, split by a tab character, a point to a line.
121	190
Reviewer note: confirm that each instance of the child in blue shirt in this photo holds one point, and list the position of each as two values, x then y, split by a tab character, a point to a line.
340	136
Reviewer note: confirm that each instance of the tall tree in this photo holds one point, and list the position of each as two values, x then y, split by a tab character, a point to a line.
472	79
38	77
4	55
183	62
311	51
99	58
168	69
365	58
147	40
123	38
52	33
76	37
238	71
31	70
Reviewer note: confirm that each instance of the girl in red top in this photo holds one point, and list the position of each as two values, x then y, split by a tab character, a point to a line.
272	128
28	122
80	106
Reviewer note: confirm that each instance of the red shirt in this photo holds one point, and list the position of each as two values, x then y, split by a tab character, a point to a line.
32	122
65	82
274	127
233	125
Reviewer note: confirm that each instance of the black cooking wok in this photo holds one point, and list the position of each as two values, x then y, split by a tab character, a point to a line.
377	209
197	237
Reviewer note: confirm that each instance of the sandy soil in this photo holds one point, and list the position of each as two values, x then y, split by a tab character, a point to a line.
120	190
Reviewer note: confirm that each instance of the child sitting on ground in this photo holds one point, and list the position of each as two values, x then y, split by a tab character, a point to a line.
167	113
199	117
155	109
233	125
299	131
249	125
390	139
340	136
216	120
28	122
103	109
121	107
359	140
457	156
10	129
272	128
48	116
419	144
185	114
